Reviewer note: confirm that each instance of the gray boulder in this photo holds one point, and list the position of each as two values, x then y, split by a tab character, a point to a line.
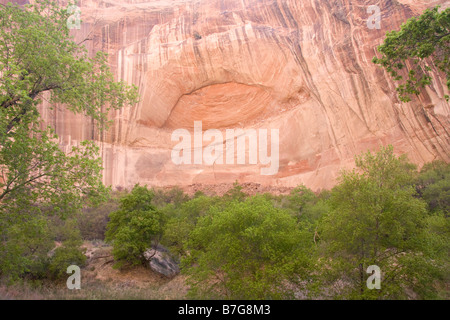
161	262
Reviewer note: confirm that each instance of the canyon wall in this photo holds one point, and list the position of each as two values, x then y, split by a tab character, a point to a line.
302	67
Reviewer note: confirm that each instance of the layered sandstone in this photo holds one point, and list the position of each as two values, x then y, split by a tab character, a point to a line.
300	66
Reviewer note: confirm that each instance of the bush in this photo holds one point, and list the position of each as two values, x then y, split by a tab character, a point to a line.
174	196
305	205
235	193
134	227
183	220
247	250
64	257
24	249
433	185
92	221
69	253
29	252
376	219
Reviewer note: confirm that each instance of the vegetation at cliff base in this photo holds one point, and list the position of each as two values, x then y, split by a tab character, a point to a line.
383	213
377	219
246	250
135	227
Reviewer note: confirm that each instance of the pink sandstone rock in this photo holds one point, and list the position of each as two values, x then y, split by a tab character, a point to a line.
301	66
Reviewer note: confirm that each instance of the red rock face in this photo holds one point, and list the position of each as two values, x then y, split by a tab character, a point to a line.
302	67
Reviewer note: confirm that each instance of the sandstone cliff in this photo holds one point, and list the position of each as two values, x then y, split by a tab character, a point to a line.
300	66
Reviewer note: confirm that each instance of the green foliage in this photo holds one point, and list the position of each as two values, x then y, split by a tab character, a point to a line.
24	248
92	220
433	185
235	193
64	257
30	253
183	220
421	46
69	252
376	219
38	55
247	250
35	170
174	196
135	227
38	58
305	205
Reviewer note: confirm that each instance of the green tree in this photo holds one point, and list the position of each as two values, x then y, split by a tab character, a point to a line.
30	253
410	54
376	219
24	248
175	196
433	185
69	252
305	204
38	57
40	60
182	220
235	193
248	250
135	227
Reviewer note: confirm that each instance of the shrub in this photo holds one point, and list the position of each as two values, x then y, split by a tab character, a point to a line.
433	184
183	220
69	253
377	220
247	250
134	227
235	193
175	196
24	248
92	221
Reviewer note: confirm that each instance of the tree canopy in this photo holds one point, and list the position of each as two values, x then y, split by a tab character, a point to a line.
246	250
377	219
421	46
135	227
40	61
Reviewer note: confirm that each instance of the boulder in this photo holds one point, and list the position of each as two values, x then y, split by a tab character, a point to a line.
162	262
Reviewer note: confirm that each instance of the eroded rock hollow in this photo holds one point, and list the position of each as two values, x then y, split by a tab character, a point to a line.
300	66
